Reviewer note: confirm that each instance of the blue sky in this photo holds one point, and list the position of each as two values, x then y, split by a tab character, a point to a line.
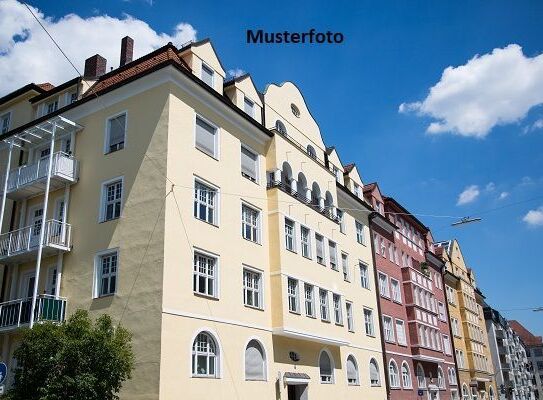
394	52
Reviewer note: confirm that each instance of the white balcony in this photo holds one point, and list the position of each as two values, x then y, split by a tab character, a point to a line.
16	313
22	244
30	180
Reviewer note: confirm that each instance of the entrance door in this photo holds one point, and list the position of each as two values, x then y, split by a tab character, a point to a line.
297	392
36	223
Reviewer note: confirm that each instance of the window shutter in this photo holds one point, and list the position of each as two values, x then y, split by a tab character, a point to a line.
254	361
116	129
248	163
324	364
351	370
205	137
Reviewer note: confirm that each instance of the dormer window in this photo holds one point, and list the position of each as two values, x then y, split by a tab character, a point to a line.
281	128
249	107
311	151
4	122
357	190
207	75
51	107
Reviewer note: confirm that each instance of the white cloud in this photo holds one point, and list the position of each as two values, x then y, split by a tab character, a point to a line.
27	54
537	124
534	217
469	195
503	195
497	88
490	186
236	72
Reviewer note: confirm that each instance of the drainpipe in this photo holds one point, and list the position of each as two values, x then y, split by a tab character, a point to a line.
379	314
6	177
43	227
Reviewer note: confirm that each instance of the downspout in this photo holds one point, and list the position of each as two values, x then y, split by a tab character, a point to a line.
458	388
379	314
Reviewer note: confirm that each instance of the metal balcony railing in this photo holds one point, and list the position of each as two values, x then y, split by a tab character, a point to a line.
64	168
57	235
16	313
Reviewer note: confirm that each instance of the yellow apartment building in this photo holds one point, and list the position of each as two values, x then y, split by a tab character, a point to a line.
207	217
464	299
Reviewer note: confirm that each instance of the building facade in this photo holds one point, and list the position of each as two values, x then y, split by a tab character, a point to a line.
534	351
473	359
416	333
207	217
513	371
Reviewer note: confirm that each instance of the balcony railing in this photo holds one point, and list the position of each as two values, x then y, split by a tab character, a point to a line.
64	169
57	235
16	313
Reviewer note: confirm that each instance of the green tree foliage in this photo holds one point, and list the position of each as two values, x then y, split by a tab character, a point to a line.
77	360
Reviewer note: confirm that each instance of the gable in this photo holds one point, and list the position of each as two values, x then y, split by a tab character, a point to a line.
205	51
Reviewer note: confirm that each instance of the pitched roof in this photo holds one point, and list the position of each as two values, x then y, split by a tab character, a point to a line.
54	89
46	86
167	53
369	187
22	90
527	337
348	168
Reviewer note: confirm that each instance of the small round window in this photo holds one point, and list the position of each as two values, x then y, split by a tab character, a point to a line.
295	110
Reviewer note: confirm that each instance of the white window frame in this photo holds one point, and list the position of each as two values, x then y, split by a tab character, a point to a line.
216	280
295	296
332	260
386	293
345	267
323	261
370	324
338	309
216	200
326	315
349	310
396	294
388	334
217	137
247	100
360	233
401	322
97	278
313	313
258	224
204	67
107	135
9	115
290	239
306	251
364	276
103	194
259	292
257	164
397	383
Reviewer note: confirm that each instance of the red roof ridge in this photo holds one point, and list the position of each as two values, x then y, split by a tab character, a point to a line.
46	86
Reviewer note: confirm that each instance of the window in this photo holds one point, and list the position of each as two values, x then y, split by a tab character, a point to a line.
465	392
311	151
406	376
309	300
400	332
340	218
393	374
255	365
352	371
305	240
295	110
345	266
459	357
338	315
293	295
250	225
249	107
204	356
368	322
323	301
206	137
116	132
332	254
452	376
205	275
350	321
249	164
111	200
50	107
325	368
383	248
280	126
396	290
374	373
446	344
364	278
391	252
319	240
455	327
289	235
5	122
106	274
441	309
360	237
383	285
388	329
207	75
357	191
421	379
205	198
440	378
252	288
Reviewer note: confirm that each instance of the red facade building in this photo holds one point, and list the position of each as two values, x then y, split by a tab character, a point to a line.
414	321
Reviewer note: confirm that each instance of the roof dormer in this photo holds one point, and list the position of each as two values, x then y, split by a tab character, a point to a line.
204	63
353	181
243	93
335	165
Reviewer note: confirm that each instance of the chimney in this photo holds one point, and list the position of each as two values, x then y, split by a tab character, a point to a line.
127	50
95	66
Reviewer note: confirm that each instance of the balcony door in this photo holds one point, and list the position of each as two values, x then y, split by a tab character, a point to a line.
27	285
51	283
35	217
41	157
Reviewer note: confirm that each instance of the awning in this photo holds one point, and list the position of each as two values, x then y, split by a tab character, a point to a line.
295	378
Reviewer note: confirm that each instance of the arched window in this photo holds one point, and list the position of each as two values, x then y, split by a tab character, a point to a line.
440	378
465	392
326	368
393	374
311	151
315	193
281	128
328	200
302	187
421	378
286	176
491	393
255	364
374	373
406	376
205	356
352	371
452	376
474	393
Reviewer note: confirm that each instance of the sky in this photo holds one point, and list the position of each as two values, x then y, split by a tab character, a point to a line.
440	102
